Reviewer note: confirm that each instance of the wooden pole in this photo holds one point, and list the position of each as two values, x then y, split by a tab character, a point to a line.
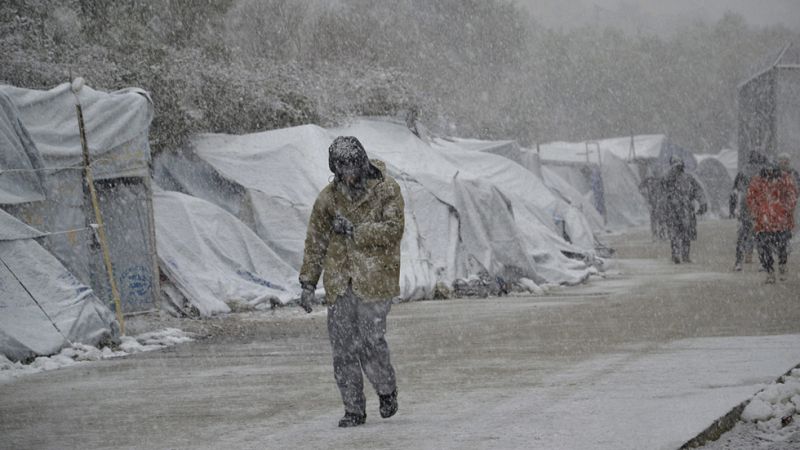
101	231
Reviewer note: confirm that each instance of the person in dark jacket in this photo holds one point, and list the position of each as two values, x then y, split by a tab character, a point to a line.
772	197
354	235
682	191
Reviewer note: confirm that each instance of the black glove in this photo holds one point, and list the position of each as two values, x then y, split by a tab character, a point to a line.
342	226
307	297
702	209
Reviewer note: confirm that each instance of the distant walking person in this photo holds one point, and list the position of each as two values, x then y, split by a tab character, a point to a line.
354	235
681	192
772	197
745	236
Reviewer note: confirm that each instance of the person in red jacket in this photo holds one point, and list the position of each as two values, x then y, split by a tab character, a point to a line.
771	199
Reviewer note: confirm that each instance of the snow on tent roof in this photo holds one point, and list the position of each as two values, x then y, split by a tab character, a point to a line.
37	288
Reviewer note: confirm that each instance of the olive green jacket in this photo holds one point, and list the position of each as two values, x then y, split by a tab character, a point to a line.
371	257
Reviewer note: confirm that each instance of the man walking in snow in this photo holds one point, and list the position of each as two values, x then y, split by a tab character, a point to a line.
354	235
681	192
772	197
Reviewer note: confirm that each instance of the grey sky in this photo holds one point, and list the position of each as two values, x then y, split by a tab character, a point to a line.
660	16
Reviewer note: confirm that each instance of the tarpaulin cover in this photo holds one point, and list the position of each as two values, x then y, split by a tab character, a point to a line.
116	126
618	182
212	258
19	183
457	223
43	306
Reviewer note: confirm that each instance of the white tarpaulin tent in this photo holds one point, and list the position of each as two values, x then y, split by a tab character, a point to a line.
535	204
529	159
22	185
612	184
457	224
211	257
43	307
117	126
575	198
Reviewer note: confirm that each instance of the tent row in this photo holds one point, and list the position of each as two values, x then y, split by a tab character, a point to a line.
608	173
222	222
468	213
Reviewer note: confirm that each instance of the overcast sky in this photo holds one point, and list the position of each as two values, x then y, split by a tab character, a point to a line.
660	15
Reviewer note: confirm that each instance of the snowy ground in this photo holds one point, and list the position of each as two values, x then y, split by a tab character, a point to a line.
646	358
78	353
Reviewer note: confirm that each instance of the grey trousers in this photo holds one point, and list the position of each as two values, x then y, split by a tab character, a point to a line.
356	329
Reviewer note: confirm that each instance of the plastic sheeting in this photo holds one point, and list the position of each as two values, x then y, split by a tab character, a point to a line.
18	158
457	224
618	182
213	259
43	307
117	126
535	204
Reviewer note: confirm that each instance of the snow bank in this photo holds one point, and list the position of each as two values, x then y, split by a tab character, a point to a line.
774	410
77	353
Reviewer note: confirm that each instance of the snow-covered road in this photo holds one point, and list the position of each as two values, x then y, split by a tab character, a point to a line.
645	358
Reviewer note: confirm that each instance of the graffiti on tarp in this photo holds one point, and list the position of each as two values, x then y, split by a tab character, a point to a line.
249	276
136	284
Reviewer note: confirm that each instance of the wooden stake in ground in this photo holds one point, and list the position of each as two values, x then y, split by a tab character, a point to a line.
77	84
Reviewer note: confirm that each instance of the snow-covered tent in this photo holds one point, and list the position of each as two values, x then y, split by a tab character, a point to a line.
596	170
45	125
457	224
44	307
609	171
212	259
573	197
525	177
535	203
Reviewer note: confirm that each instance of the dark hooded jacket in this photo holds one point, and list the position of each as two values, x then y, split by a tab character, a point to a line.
370	259
681	191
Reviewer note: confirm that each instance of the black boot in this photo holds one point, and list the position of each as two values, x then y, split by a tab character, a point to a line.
388	404
352	420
